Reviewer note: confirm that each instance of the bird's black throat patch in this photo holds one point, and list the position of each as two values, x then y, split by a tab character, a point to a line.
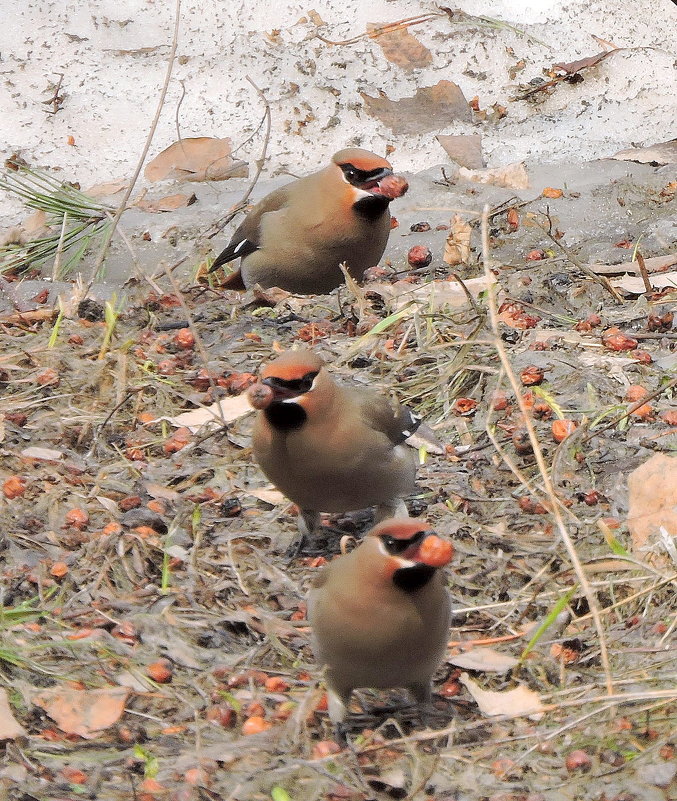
371	207
411	579
285	416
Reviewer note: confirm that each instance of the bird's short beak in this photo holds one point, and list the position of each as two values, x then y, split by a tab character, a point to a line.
280	393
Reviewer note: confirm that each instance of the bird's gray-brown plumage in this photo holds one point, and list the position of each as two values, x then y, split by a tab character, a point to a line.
331	448
297	236
380	614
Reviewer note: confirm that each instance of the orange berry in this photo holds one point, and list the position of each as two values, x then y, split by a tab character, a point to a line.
255	725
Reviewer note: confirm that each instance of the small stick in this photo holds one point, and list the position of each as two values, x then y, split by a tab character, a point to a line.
644	273
538	453
599	279
144	153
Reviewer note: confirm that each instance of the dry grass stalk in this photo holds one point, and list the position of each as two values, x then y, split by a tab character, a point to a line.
538	453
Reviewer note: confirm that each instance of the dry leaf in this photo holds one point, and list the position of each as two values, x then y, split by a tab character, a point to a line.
167	203
582	63
484	659
35	222
652	490
230	409
515	703
10	728
634	284
83	712
41	454
106	189
551	192
434	295
457	246
202	158
315	18
464	149
656	264
511	176
660	153
430	109
401	47
268	495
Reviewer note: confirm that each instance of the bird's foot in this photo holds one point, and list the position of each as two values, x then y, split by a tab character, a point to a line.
395	508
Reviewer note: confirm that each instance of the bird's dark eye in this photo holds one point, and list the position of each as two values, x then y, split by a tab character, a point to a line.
396	546
350	174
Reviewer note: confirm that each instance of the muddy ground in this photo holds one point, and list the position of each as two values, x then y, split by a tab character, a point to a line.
151	618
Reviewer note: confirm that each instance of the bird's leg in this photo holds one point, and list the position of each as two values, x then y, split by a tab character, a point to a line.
394	508
308	523
422	692
337	704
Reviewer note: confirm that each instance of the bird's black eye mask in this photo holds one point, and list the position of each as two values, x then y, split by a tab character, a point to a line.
291	388
364	179
397	546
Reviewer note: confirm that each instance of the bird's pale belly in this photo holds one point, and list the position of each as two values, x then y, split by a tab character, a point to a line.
325	488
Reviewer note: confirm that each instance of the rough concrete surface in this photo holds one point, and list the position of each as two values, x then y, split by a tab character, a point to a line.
113	57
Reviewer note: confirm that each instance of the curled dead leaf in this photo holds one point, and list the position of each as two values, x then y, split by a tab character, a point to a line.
10	728
400	47
464	149
83	712
518	702
511	176
457	246
431	108
167	203
201	158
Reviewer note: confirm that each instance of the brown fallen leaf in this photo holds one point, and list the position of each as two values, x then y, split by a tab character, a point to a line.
464	149
10	728
201	158
167	203
660	153
652	491
484	659
511	176
457	246
83	712
225	410
41	454
515	703
582	63
401	47
434	294
634	285
431	108
267	494
106	189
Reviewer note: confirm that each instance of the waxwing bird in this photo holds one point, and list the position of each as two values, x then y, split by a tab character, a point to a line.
380	614
327	447
297	236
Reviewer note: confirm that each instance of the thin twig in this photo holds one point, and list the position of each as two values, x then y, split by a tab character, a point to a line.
390	27
644	273
599	279
242	203
538	453
144	153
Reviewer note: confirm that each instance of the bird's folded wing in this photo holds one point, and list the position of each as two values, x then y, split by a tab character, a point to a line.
395	421
246	238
